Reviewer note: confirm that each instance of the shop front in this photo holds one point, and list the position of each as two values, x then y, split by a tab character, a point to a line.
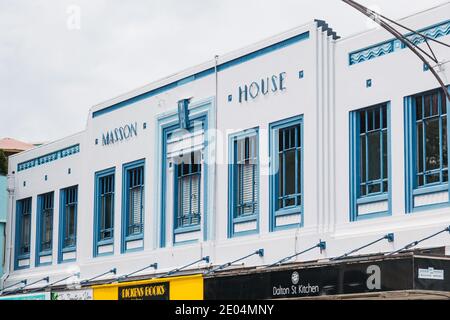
353	278
176	288
31	296
85	294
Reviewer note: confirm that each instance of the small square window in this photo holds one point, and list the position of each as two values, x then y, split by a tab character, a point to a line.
369	83
230	98
301	74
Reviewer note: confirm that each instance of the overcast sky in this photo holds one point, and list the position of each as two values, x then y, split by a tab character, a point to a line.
54	67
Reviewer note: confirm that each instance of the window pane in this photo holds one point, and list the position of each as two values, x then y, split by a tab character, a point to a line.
420	180
385	187
290	202
374	156
47	234
435	110
420	147
385	155
419	108
280	141
385	121
195	194
71	225
25	247
108	211
432	144
444	143
363	159
240	151
135	205
293	137
189	189
428	106
370	120
287	139
299	171
363	190
362	123
374	188
433	178
281	175
377	116
247	189
443	103
290	172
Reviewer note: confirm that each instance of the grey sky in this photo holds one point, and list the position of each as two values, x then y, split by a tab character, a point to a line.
51	75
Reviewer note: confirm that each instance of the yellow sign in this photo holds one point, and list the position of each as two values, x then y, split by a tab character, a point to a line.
177	288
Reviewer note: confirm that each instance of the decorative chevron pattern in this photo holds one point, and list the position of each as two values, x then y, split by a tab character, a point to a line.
67	152
388	47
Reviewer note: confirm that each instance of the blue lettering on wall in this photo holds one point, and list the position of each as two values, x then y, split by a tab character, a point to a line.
119	134
264	86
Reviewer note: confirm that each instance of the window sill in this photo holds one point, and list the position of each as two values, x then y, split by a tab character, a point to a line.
248	218
134	237
189	229
372	199
374	215
45	253
105	242
23	257
288	212
69	250
431	189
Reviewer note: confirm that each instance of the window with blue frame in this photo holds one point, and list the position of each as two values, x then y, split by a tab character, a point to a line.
370	162
133	201
286	173
188	181
69	209
426	150
45	224
373	151
105	191
244	182
23	229
246	167
431	139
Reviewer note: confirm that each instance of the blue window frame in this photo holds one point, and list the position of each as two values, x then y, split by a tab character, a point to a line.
133	203
44	232
68	221
286	179
431	139
23	231
104	208
426	147
244	183
370	162
188	176
201	116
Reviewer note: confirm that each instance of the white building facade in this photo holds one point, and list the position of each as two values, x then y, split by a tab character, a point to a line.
300	138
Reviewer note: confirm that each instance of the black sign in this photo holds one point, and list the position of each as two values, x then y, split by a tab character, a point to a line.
378	275
151	291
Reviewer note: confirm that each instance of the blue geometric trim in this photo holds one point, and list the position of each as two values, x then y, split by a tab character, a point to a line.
60	154
381	49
